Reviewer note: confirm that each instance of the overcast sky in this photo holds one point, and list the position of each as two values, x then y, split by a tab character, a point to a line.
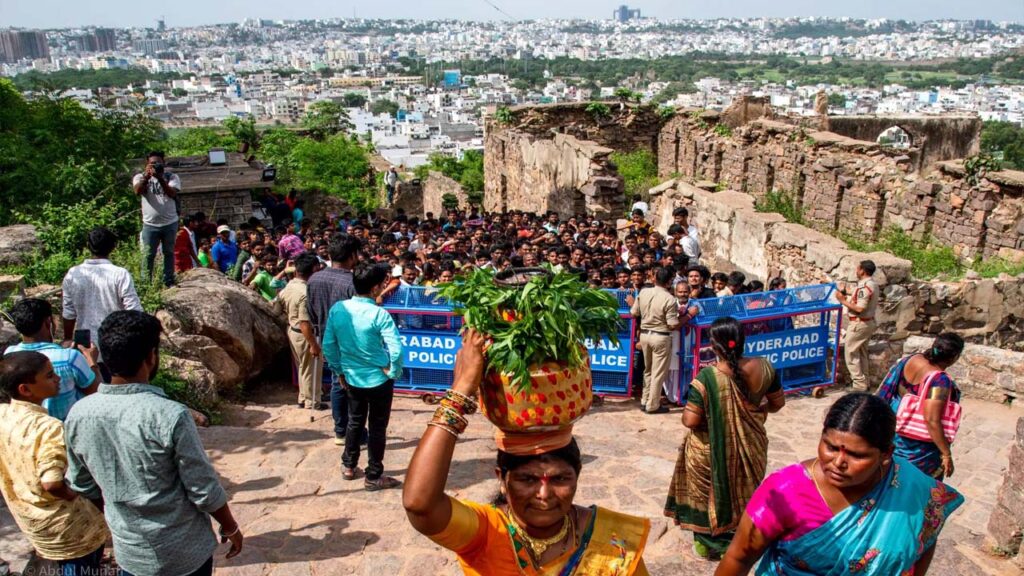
121	13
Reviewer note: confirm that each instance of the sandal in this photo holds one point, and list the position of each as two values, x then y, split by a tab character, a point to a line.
349	473
382	483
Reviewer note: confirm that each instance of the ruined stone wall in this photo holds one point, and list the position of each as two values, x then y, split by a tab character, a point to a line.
235	205
626	128
561	173
1006	525
936	138
849	186
734	235
435	187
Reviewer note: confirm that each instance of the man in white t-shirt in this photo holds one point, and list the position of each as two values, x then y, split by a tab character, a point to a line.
158	189
690	239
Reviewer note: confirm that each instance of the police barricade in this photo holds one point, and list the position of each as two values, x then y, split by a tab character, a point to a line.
795	329
430	338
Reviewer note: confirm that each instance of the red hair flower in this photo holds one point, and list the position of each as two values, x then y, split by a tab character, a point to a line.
732	344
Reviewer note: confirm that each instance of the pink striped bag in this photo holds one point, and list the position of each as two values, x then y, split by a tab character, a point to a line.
910	422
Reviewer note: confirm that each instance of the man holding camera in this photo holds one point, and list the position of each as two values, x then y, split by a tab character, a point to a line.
159	191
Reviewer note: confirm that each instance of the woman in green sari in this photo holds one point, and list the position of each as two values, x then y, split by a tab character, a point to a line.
723	459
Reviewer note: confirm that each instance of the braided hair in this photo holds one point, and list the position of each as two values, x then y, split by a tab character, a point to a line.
727	340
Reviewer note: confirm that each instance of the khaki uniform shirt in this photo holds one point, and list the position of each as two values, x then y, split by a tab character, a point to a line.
656	308
32	451
867	291
294	298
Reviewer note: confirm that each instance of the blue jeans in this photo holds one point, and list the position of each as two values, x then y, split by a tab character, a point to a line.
88	565
163	236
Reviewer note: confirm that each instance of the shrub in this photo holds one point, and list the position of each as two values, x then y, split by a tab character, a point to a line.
598	110
928	259
723	130
180	391
781	202
503	115
639	170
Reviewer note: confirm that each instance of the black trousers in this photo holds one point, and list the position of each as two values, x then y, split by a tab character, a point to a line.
371	405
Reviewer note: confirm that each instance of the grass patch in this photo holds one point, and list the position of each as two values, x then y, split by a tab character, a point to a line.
993	267
928	259
781	202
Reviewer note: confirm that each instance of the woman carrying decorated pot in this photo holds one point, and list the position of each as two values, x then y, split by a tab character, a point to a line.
723	458
926	403
855	509
538	530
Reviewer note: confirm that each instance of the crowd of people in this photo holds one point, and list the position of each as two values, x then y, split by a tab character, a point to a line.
82	423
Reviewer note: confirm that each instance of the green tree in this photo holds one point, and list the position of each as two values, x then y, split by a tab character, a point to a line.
179	92
353	100
55	154
1005	140
836	100
196	141
243	131
384	106
338	166
326	118
276	146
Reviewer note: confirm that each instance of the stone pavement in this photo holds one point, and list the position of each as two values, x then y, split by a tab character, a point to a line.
300	517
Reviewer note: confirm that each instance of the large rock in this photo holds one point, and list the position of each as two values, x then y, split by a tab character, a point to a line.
228	329
18	243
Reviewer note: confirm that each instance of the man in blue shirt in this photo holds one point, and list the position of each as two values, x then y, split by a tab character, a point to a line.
361	342
224	251
140	451
76	366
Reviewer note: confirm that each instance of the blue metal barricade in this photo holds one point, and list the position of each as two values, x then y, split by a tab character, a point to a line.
430	338
796	329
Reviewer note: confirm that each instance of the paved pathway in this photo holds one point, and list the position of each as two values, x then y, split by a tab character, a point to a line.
301	518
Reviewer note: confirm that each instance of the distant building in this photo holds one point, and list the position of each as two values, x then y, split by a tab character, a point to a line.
149	47
18	44
625	14
106	40
161	26
452	78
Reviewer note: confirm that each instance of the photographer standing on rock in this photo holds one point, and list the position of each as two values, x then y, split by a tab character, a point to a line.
159	191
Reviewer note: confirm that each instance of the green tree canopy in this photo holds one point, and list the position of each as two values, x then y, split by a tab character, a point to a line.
326	118
199	140
1005	139
337	166
353	100
384	106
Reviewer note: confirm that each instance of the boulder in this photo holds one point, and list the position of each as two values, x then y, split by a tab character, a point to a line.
18	243
217	323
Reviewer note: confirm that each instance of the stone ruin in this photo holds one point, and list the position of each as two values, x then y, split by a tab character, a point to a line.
557	157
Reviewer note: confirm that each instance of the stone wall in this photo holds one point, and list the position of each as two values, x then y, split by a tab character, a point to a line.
936	138
763	245
856	187
627	127
435	187
1006	525
560	173
235	205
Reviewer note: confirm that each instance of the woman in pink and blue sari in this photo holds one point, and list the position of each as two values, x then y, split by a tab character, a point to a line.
855	509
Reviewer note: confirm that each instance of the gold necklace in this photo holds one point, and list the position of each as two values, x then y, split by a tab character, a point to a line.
539	545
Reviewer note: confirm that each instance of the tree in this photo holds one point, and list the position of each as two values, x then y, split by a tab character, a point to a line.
384	106
196	141
243	130
353	100
639	170
1004	139
337	166
326	118
179	92
276	145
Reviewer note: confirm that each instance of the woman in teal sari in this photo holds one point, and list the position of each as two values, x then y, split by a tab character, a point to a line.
855	509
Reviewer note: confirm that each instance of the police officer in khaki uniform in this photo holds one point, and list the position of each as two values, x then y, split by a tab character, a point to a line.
861	306
659	317
305	349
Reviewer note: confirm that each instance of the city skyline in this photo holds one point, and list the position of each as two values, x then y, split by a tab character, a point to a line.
51	14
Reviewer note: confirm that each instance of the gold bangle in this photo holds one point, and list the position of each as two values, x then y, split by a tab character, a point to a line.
450	418
443	427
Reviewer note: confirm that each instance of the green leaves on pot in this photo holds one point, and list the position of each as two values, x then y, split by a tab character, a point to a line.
546	319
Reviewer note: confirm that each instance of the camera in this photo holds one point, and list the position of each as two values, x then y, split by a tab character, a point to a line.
158	168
